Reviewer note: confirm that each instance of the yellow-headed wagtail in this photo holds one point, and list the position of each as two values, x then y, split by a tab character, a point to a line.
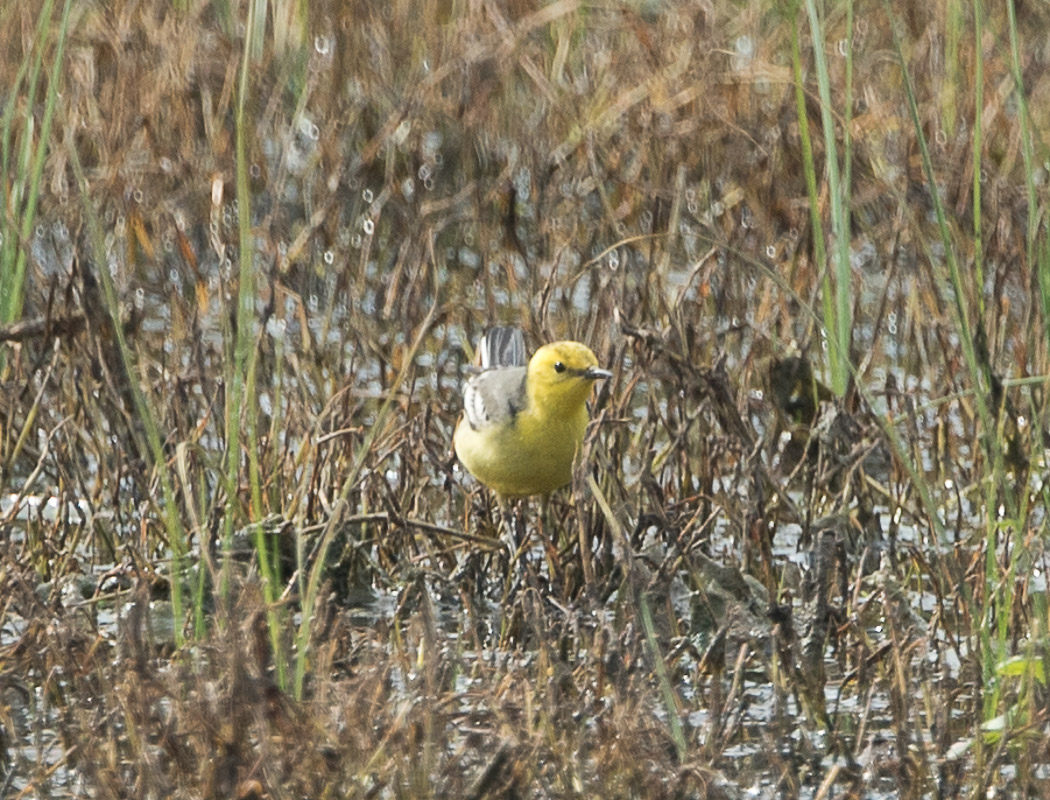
522	424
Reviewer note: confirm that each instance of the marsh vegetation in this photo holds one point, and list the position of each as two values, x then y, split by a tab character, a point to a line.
247	250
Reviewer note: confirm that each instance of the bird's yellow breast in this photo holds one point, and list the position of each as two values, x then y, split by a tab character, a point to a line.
531	455
522	426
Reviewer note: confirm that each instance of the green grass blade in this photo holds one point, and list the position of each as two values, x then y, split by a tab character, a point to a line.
809	168
962	312
26	188
155	447
242	398
1027	150
978	147
840	325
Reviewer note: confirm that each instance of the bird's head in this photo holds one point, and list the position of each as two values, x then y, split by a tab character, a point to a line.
561	375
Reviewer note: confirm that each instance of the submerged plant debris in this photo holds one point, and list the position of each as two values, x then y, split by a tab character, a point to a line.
246	256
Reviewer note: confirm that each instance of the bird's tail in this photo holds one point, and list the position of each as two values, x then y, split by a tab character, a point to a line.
502	346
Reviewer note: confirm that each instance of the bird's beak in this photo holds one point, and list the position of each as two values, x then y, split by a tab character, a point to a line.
595	374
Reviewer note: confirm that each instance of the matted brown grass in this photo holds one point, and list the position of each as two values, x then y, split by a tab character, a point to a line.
627	175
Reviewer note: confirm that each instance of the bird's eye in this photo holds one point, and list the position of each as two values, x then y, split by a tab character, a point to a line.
559	367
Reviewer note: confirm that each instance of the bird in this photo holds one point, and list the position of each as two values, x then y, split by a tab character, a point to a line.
522	424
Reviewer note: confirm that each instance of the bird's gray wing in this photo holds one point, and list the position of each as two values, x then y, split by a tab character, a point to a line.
494	396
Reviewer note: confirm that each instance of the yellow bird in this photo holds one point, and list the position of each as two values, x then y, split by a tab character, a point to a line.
522	425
